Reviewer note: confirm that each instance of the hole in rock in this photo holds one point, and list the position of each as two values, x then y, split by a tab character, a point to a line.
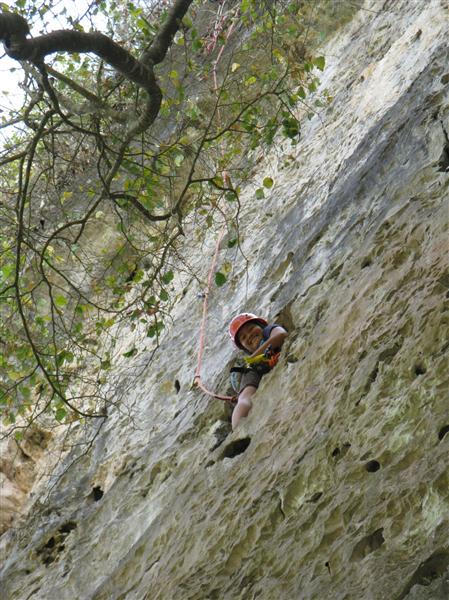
236	447
68	527
373	376
177	386
368	544
335	272
443	165
429	570
419	369
96	494
444	280
362	355
221	433
387	355
285	319
366	262
372	466
315	497
443	432
49	560
337	452
51	543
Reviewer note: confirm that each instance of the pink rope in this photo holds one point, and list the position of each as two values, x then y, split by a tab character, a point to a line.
197	379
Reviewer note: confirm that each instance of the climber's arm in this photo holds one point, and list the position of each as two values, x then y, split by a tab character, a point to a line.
276	339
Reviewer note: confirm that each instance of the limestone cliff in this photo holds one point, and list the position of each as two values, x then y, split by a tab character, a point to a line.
337	484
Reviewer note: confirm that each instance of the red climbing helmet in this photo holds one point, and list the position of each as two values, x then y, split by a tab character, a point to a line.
237	323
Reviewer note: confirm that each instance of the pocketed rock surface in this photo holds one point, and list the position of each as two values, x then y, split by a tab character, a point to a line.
337	484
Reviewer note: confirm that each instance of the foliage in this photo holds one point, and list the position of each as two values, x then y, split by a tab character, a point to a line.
94	207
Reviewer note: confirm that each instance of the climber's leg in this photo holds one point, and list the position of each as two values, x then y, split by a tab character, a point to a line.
243	405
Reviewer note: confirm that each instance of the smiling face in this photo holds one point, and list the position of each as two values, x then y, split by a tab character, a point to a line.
250	336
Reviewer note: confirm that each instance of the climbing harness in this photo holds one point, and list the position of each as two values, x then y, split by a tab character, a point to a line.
262	364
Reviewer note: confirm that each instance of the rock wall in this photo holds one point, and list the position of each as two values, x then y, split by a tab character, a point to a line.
18	471
337	484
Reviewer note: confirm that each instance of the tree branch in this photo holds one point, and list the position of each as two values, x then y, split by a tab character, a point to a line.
14	29
158	49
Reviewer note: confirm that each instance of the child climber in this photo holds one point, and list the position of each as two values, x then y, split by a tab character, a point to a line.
262	343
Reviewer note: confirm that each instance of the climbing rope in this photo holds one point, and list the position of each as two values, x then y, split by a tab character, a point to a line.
219	26
197	379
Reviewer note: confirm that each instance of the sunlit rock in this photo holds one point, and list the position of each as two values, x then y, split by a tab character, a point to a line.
336	486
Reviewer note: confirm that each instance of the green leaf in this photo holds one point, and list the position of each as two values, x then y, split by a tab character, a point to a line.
155	329
179	158
19	436
61	301
187	21
220	279
319	62
9	419
197	44
15	375
232	243
26	392
226	268
167	277
268	182
7	270
130	353
260	194
163	296
60	414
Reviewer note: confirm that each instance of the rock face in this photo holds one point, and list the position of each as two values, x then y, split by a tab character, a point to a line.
337	484
17	472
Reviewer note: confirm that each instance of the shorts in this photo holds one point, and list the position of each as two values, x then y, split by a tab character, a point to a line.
250	378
